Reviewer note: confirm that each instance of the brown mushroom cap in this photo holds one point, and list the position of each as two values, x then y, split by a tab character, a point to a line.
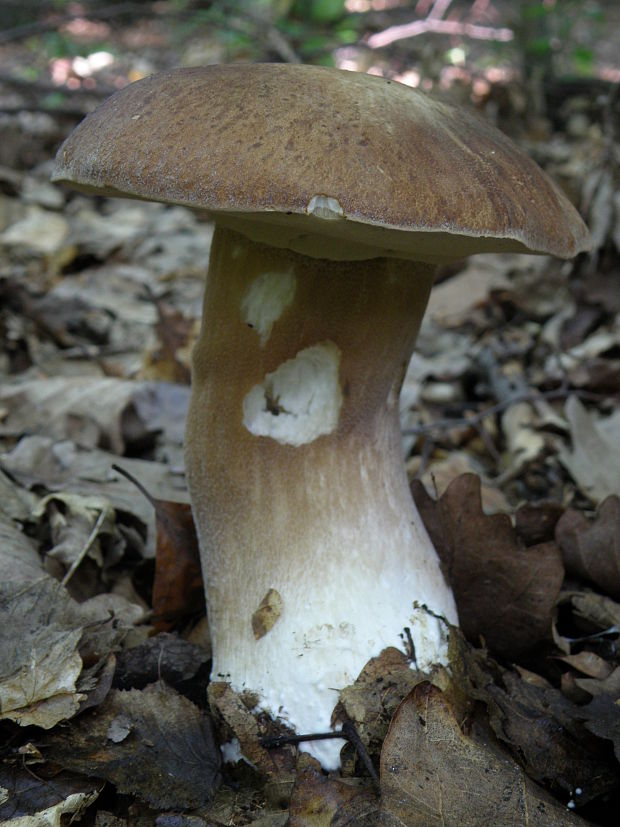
290	153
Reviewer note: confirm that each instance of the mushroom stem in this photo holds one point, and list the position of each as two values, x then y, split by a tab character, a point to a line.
313	552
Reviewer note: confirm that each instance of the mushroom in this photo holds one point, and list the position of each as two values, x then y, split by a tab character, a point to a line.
334	196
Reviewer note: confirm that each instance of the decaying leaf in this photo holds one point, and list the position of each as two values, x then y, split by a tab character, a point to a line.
543	729
505	592
152	743
177	334
371	701
29	801
432	773
19	559
167	657
94	412
45	637
238	725
78	529
178	591
591	550
63	466
319	801
594	462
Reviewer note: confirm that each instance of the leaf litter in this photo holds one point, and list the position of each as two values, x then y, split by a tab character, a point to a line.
511	424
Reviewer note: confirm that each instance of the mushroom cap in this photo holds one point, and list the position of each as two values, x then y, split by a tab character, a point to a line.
330	163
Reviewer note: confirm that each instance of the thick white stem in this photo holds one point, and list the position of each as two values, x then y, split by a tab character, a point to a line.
314	556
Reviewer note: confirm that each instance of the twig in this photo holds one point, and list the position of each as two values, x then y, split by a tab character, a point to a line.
91	539
434	22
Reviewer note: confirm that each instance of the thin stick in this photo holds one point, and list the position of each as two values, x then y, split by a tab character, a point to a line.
91	539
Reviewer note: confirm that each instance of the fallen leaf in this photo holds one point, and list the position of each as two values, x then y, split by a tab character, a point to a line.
45	638
152	743
594	461
588	663
40	664
320	801
505	592
182	665
591	550
434	774
94	412
30	801
536	522
371	701
523	442
543	729
602	717
178	590
234	720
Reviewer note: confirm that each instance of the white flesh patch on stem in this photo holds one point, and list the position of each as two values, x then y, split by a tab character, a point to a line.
266	300
300	401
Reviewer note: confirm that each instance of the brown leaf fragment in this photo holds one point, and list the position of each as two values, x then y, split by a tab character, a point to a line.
178	591
505	593
319	801
235	720
176	333
609	685
153	743
434	774
589	663
602	716
598	611
535	522
592	549
371	701
27	799
543	729
267	614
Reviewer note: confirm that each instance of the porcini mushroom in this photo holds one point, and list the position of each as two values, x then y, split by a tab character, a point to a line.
334	197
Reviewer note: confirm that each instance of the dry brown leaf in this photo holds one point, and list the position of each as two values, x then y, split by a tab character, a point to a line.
594	462
505	593
588	663
29	801
178	591
371	701
543	729
152	743
535	522
232	713
319	801
592	549
434	774
170	362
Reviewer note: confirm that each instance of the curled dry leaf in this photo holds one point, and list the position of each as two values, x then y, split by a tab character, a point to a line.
432	773
505	592
591	550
